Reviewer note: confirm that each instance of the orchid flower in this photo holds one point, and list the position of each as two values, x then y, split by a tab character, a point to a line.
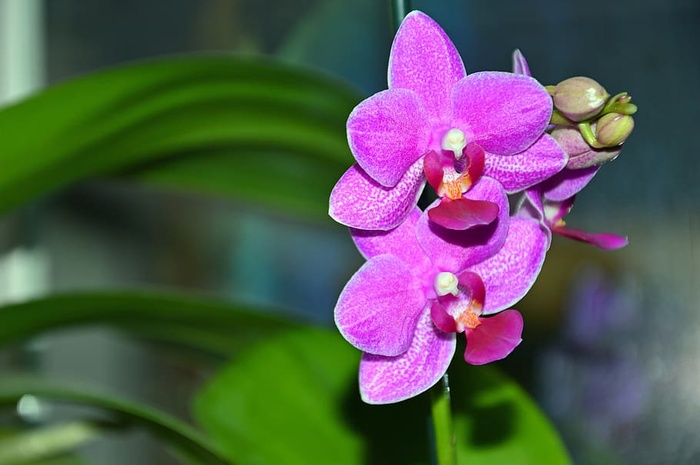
423	283
436	121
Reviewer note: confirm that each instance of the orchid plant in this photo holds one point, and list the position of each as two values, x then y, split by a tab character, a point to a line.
458	184
459	265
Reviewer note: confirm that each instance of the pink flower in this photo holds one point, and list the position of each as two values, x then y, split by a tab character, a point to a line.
423	283
487	124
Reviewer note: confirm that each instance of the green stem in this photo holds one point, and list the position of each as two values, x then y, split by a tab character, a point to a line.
399	9
444	437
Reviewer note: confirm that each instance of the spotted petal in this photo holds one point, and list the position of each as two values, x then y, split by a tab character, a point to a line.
505	113
494	338
385	380
424	60
378	310
510	273
452	250
360	202
387	133
543	159
400	242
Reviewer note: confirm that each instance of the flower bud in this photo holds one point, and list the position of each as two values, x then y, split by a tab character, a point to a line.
579	98
613	129
582	155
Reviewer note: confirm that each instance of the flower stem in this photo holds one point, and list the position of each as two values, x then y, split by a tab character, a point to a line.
443	434
399	9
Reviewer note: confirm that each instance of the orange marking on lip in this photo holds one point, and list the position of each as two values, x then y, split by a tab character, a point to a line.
469	319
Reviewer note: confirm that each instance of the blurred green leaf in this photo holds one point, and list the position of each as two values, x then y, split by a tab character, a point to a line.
496	421
280	403
294	399
182	439
250	128
209	325
46	443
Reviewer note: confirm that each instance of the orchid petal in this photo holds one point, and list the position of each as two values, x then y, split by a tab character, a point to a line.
424	60
505	113
387	133
360	202
604	241
451	250
510	273
461	214
379	308
530	206
568	183
533	165
385	380
520	65
494	338
400	242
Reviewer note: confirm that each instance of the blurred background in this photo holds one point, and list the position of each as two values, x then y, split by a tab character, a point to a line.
611	348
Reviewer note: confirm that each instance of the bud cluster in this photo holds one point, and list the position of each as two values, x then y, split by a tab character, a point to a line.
604	122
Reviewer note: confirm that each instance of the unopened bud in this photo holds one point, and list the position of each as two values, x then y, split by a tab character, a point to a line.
579	98
582	155
613	129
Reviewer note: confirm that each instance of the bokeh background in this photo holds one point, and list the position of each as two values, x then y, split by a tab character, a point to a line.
612	339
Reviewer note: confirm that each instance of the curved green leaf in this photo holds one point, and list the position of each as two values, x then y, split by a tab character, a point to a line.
210	325
46	443
299	388
180	437
226	115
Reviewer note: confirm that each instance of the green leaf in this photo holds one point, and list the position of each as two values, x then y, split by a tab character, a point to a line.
496	422
294	399
280	403
229	125
46	443
178	436
213	326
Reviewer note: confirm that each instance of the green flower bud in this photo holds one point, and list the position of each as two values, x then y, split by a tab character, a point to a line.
613	129
579	98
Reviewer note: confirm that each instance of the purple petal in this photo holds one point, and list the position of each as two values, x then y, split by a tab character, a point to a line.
568	183
360	202
520	65
604	241
378	309
453	251
400	242
424	60
540	161
387	133
385	380
510	273
505	113
494	338
461	214
530	206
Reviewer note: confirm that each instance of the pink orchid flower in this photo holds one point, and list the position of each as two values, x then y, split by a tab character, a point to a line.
434	120
423	283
